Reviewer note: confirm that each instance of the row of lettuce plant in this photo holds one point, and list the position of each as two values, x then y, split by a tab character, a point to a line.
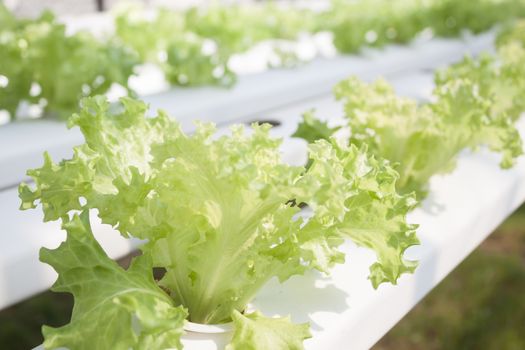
475	103
224	215
42	66
377	22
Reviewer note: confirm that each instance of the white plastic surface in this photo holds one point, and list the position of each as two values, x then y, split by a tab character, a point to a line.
22	234
22	145
256	93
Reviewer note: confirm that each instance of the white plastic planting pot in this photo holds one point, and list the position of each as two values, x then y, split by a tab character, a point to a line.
200	336
206	336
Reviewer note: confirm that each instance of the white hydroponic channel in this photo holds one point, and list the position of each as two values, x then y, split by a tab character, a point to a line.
23	143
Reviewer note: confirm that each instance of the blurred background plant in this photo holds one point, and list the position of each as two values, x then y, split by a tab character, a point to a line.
44	70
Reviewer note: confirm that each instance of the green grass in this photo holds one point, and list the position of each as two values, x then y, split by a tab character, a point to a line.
20	324
480	305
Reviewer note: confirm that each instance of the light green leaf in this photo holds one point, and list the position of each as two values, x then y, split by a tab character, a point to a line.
114	308
257	332
222	214
424	140
312	129
116	152
371	213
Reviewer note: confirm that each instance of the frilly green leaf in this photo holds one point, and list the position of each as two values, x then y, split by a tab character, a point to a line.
223	215
114	308
257	332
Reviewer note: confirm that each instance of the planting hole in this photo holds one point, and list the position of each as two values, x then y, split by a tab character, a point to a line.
274	123
429	70
158	273
125	261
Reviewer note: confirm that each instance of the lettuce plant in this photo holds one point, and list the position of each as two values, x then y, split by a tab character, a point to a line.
476	104
193	47
221	215
237	28
500	77
185	57
356	24
41	65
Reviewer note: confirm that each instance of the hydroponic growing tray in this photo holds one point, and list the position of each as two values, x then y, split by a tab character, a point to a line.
343	309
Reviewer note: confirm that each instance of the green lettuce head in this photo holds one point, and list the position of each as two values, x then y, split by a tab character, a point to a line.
219	214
